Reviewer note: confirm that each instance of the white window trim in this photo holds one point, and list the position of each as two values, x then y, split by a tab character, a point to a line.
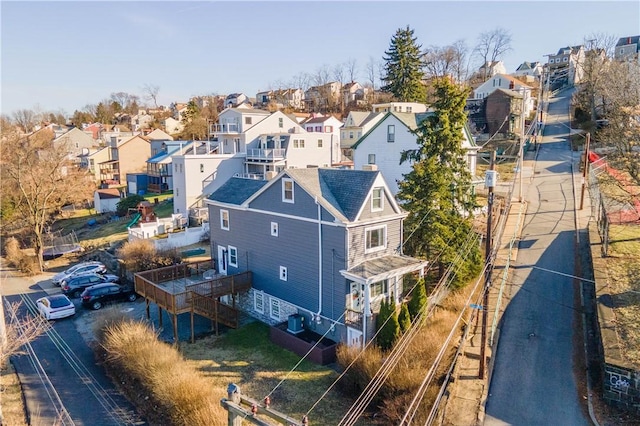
258	295
377	209
293	197
274	302
222	212
384	237
230	263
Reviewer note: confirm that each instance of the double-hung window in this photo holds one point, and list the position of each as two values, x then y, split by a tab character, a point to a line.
287	190
224	219
376	199
375	238
233	256
379	289
391	133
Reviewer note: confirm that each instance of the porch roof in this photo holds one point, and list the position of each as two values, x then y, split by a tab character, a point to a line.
382	268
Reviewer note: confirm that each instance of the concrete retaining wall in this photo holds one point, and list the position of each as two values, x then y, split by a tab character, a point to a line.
621	379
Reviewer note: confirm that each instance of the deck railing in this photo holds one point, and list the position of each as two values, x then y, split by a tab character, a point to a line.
177	302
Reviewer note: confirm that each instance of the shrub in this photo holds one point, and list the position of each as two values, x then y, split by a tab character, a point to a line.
13	252
130	202
365	365
178	394
141	255
418	299
404	319
387	326
17	258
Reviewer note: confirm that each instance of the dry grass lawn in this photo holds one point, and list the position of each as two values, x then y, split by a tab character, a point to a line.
623	266
247	358
11	398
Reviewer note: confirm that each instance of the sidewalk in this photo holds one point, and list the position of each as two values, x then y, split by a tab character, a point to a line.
465	406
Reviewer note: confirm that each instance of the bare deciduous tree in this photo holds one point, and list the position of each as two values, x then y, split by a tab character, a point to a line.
594	70
492	45
26	119
620	95
352	69
150	93
38	178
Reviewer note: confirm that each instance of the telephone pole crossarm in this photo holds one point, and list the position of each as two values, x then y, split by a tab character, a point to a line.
243	410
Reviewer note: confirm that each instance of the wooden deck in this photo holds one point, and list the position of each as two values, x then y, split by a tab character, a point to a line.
183	288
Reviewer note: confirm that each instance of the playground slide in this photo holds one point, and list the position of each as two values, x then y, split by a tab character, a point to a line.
135	219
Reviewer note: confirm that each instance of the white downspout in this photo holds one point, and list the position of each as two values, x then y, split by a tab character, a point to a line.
319	260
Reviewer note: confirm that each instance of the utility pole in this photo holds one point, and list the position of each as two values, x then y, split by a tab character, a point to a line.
521	150
490	182
585	168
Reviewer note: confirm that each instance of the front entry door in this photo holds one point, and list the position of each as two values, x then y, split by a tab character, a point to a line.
222	260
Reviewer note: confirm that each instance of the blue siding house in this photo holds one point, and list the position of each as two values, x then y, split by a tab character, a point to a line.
325	244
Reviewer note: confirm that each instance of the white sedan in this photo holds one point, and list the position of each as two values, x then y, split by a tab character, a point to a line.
55	307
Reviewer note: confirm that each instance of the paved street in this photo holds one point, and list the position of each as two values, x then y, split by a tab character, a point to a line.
534	380
61	381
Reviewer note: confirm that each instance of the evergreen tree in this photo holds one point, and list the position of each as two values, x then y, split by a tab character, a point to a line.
437	192
403	68
404	319
418	300
387	325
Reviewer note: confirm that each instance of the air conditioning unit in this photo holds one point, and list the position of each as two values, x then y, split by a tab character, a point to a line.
370	167
295	324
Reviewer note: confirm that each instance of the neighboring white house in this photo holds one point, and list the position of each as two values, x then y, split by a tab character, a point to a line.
381	147
399	107
246	142
172	126
328	124
235	99
491	68
504	81
106	200
529	68
565	67
141	121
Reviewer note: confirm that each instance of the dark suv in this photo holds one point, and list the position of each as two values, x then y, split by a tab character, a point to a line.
74	286
98	295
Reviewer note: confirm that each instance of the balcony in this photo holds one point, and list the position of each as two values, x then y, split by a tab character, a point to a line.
225	128
271	154
254	176
353	319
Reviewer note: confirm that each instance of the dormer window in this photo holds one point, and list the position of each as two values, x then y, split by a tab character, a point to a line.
287	190
376	199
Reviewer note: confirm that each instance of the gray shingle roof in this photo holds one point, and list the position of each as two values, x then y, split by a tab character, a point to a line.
624	41
237	190
344	191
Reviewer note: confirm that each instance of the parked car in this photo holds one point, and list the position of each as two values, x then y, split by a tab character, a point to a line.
55	307
80	268
97	296
75	285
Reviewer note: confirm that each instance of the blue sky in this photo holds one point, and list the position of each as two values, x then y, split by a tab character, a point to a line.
65	55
